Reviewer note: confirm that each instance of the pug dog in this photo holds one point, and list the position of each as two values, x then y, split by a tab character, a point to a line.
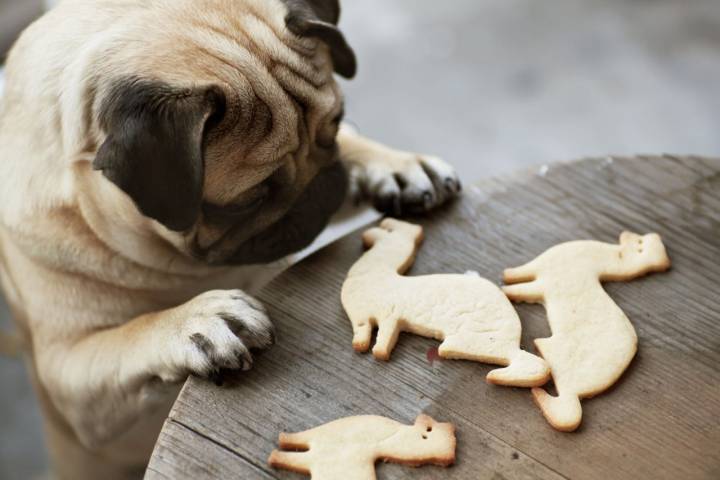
153	153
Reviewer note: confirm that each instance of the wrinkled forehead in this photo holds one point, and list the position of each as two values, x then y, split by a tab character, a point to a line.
242	43
279	86
251	50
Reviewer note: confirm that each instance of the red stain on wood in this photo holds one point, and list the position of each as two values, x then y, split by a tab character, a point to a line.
432	355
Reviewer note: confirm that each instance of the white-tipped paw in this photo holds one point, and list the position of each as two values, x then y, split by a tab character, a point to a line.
399	183
219	330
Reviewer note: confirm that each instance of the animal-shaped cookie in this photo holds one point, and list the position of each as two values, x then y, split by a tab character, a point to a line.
592	340
471	315
348	448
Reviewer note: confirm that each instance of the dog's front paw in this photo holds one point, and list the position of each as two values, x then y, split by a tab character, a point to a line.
399	182
219	329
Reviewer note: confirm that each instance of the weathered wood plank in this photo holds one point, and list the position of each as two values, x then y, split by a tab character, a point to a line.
182	453
324	391
659	421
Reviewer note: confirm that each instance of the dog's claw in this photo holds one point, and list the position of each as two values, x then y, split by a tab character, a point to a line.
452	185
428	200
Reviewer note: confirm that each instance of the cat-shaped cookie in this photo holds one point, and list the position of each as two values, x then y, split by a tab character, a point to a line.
592	340
348	448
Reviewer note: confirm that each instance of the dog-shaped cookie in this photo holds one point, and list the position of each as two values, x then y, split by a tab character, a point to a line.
592	340
348	448
471	316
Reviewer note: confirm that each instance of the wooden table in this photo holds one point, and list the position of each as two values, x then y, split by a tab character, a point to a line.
662	420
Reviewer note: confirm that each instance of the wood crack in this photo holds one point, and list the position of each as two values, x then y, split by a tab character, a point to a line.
222	446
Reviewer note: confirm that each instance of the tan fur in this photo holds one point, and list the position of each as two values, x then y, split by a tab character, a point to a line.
104	297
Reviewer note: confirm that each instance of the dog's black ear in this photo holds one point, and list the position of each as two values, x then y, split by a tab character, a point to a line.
326	10
154	146
319	18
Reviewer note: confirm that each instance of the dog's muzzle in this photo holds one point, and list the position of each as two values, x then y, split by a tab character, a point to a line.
301	224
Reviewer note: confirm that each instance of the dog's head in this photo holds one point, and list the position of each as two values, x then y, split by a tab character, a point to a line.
219	122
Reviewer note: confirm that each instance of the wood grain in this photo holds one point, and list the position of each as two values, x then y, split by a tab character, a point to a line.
184	453
659	421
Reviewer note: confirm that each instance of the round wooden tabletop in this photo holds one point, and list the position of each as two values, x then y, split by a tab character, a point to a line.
659	421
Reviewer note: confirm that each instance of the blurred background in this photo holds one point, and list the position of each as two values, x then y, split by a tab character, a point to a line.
492	86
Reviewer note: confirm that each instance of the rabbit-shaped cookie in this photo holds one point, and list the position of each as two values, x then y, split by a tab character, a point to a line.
592	340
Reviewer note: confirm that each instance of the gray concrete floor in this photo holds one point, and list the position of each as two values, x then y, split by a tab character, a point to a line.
496	85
